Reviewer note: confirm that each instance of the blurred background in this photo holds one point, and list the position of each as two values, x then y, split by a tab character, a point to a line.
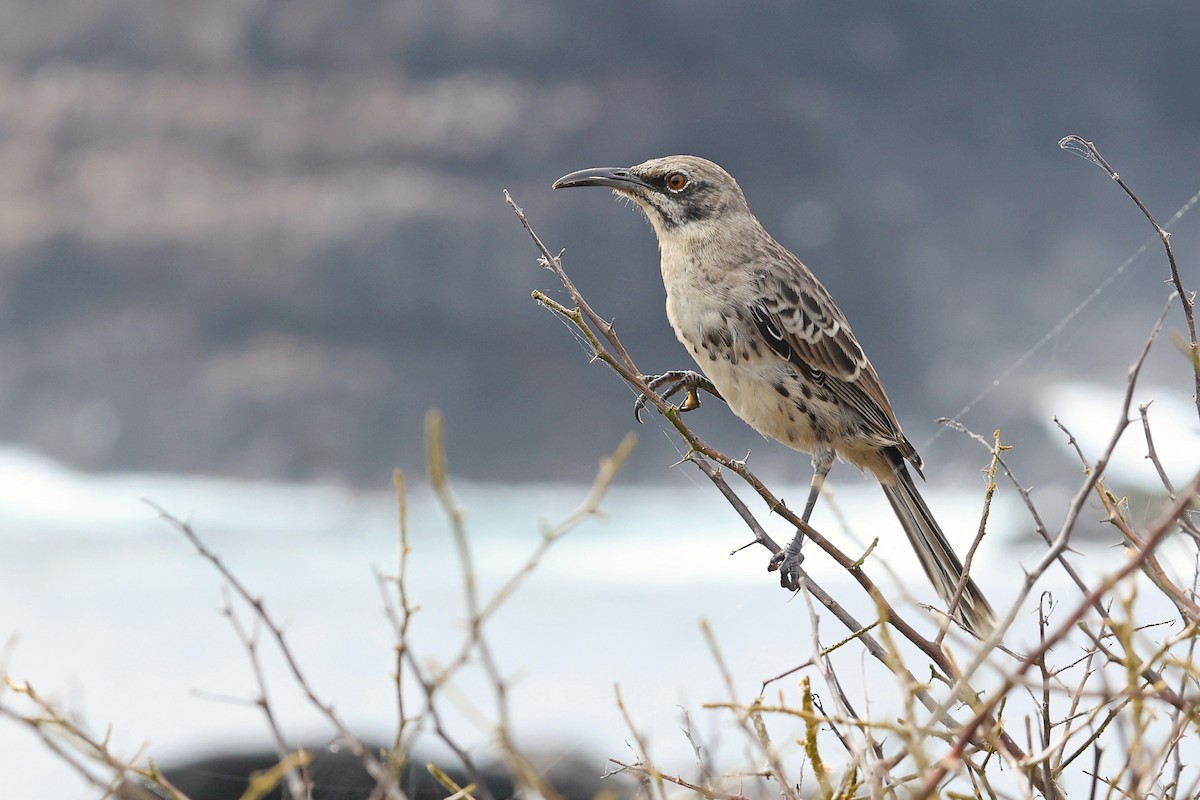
260	238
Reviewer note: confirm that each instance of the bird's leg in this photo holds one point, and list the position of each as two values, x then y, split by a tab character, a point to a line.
679	380
788	560
822	462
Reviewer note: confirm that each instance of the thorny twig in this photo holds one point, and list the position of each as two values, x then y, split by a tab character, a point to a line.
1089	152
1152	676
1164	525
1152	567
1152	454
480	610
77	749
299	781
375	768
858	631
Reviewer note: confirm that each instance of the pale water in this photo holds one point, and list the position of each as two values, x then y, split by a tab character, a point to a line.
120	621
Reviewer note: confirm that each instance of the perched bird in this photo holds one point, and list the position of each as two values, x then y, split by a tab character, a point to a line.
778	349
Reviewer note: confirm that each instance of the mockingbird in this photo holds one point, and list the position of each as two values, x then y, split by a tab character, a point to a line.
778	350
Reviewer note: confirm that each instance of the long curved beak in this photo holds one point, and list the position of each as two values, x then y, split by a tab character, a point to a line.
618	178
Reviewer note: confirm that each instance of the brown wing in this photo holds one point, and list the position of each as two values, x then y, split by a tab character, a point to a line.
798	319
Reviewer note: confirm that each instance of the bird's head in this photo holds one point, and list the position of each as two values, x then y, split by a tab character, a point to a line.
679	194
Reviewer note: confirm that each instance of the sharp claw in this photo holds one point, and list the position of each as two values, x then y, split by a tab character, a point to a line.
692	382
638	405
788	561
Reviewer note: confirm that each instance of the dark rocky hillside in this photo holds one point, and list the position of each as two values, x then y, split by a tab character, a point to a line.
262	237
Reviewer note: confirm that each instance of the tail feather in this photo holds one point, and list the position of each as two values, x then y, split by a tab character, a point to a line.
937	557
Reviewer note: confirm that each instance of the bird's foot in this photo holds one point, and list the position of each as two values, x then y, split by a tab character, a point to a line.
788	561
676	381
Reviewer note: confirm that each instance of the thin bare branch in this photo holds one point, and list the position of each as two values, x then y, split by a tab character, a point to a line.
376	769
1087	150
1165	523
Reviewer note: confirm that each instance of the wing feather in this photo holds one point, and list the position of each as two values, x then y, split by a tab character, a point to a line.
798	319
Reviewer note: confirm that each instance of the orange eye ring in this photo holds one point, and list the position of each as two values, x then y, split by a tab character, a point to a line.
677	181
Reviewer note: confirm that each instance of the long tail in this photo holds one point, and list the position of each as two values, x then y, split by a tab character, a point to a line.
937	557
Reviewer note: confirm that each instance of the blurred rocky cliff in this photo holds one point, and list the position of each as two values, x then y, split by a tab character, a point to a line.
262	237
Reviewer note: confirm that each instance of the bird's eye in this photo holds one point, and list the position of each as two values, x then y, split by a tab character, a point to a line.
677	181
